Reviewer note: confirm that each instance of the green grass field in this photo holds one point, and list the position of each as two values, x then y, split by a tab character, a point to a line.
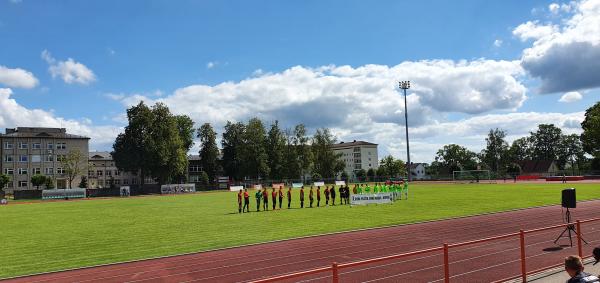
42	237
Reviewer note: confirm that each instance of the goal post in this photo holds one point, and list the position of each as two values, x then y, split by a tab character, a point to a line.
472	176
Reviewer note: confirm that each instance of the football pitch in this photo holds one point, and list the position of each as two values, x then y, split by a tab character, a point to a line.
41	237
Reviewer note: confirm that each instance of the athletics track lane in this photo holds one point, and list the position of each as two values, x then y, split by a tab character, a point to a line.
482	262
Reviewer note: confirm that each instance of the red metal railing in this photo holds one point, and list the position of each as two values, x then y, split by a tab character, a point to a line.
446	248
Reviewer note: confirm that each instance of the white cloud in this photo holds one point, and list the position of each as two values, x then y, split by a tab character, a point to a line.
69	71
211	65
12	114
17	78
554	8
565	57
533	30
570	96
497	42
16	1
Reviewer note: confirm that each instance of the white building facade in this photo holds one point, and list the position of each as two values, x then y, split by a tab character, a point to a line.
357	155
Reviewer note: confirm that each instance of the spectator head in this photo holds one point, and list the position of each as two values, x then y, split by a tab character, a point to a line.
573	265
596	254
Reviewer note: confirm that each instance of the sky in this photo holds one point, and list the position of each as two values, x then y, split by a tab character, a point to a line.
473	65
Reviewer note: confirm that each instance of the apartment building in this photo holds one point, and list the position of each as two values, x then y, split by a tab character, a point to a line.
28	151
102	172
357	155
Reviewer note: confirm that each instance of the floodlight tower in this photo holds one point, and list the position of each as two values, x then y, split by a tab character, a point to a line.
404	85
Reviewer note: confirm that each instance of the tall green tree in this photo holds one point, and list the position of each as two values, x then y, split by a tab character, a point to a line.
276	151
326	162
74	163
303	150
232	143
209	152
131	150
391	167
590	137
546	142
291	158
521	149
254	153
571	152
455	158
83	183
154	143
4	179
496	151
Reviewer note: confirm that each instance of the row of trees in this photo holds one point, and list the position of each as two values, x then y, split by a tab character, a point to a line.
250	151
155	143
547	143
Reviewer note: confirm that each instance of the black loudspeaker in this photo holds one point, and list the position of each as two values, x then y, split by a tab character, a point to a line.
568	198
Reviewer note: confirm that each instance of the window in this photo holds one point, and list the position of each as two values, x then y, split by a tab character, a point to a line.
8	145
100	183
369	153
134	181
22	184
9	171
36	158
49	171
36	145
22	171
61	145
9	158
117	182
117	173
37	171
49	158
108	173
50	145
90	173
195	168
60	157
357	166
23	158
357	149
60	171
10	184
22	145
99	172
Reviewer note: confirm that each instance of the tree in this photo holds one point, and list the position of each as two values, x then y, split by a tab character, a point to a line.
344	176
391	167
546	142
4	179
571	152
303	150
455	158
291	161
326	162
361	174
232	143
204	179
209	151
155	143
371	174
276	151
73	164
590	138
254	154
495	153
83	184
49	183
38	180
521	149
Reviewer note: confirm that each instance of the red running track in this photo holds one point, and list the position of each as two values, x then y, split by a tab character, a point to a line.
483	262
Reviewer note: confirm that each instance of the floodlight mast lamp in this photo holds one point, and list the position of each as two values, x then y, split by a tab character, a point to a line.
404	85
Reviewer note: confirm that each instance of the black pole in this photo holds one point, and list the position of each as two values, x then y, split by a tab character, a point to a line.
407	143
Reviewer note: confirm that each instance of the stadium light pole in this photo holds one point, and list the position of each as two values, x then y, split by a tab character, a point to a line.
404	85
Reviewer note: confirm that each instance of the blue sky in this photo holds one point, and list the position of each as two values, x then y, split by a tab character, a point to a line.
284	59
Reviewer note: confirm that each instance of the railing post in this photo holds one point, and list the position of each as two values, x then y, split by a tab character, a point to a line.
446	265
523	264
579	246
334	269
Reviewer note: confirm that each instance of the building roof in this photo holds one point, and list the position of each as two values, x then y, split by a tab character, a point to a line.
193	157
38	132
354	143
414	165
100	155
535	166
